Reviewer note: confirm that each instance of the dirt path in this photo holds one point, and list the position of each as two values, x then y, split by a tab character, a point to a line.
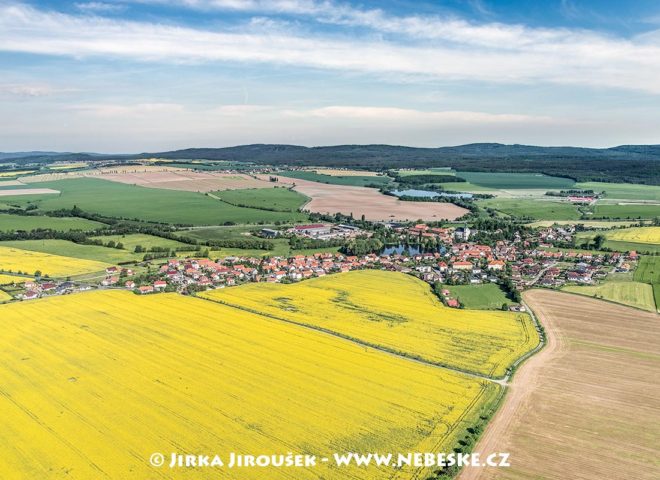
587	405
518	397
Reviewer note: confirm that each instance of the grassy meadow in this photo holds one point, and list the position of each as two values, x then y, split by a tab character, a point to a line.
488	296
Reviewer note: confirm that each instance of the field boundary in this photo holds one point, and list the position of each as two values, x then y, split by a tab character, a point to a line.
414	358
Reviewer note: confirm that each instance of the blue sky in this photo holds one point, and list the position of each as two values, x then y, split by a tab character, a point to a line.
150	75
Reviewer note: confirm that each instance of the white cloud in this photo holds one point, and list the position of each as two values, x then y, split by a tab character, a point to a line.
134	111
452	50
100	7
31	89
393	114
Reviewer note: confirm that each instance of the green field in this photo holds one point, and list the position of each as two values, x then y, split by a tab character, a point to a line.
634	294
150	204
148	242
648	270
625	191
280	199
626	211
479	297
23	222
464	187
75	250
536	209
516	180
350	180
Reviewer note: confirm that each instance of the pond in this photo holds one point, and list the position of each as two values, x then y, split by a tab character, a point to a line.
403	249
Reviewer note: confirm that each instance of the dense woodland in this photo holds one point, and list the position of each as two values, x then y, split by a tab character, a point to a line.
627	163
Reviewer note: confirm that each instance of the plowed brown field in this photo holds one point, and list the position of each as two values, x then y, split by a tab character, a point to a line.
588	405
370	202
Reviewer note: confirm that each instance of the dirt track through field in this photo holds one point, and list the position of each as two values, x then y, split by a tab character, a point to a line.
587	406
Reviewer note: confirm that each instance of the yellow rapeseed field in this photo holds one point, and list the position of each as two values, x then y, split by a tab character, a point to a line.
92	384
18	260
64	166
4	296
11	279
636	235
395	311
13	173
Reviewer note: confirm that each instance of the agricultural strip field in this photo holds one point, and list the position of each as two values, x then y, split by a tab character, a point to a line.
347	180
280	199
488	296
150	204
507	181
32	222
586	406
397	312
540	210
634	294
372	204
94	383
76	250
15	260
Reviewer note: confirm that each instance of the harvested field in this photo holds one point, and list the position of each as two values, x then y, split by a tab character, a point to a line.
187	180
370	203
158	176
27	191
587	405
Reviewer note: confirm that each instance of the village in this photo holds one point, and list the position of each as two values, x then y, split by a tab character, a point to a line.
515	265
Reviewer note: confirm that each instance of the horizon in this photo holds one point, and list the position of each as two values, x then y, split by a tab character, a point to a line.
162	75
63	152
